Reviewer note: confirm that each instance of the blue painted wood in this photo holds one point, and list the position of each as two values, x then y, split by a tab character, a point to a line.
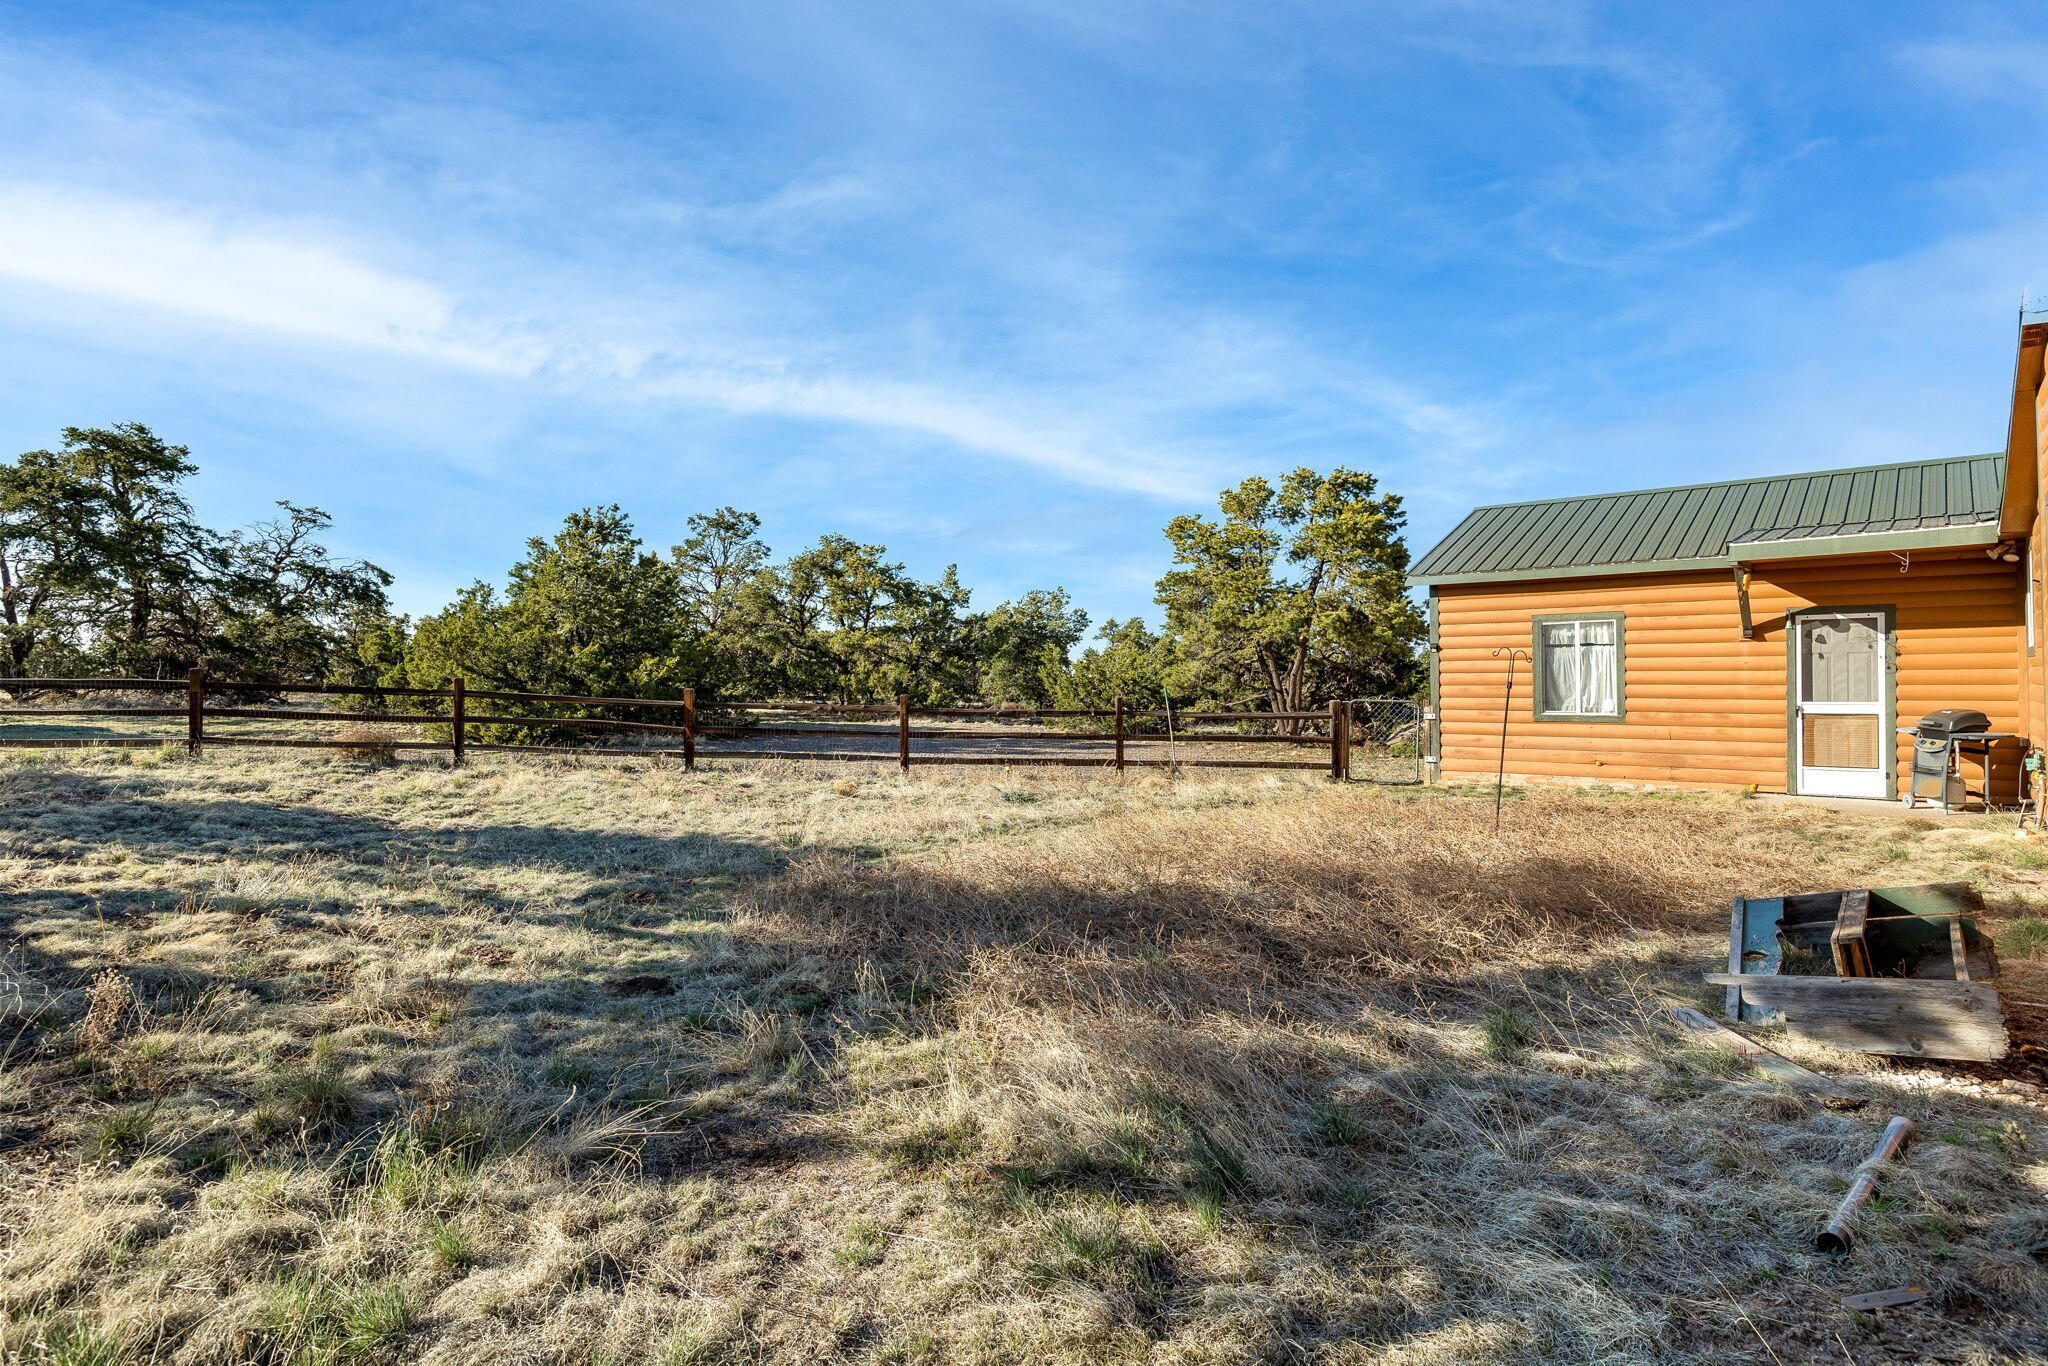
1762	953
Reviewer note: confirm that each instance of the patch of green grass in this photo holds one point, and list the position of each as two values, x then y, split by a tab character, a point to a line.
934	1143
123	1132
906	1347
408	1171
1219	1169
316	1097
865	1243
1091	1247
317	1321
78	1343
1339	1126
451	1245
1129	1149
689	1345
1505	1033
2026	938
1077	1247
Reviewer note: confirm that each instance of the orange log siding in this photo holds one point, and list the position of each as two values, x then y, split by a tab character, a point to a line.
1704	707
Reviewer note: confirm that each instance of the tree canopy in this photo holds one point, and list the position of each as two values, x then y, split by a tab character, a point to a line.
1292	596
104	568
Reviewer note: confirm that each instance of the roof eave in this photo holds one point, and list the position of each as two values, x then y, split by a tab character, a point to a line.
2022	451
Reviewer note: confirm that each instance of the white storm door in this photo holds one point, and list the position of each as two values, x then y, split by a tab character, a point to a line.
1841	678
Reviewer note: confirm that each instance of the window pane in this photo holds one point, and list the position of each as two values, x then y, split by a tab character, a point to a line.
1580	667
1600	686
1841	741
1840	660
1560	664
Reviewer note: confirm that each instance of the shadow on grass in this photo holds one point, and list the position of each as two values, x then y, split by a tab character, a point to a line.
1203	1004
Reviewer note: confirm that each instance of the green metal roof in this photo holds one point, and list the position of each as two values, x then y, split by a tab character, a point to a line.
1697	526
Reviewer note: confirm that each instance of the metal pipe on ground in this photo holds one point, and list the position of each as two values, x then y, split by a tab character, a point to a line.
1835	1237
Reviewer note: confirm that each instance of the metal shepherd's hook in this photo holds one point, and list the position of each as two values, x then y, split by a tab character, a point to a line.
1500	770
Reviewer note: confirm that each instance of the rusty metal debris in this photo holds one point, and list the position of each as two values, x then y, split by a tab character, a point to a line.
1835	1237
1886	1299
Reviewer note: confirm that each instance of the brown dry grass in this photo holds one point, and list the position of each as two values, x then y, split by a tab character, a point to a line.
563	1063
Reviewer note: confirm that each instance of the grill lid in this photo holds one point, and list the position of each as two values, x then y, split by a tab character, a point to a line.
1954	721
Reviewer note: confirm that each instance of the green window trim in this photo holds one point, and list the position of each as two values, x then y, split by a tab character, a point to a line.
1540	704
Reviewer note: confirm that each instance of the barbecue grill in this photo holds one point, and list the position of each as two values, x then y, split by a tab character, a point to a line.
1938	741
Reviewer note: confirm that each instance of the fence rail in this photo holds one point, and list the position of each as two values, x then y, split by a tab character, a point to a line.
460	719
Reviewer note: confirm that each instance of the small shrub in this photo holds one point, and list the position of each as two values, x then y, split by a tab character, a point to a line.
108	1002
367	744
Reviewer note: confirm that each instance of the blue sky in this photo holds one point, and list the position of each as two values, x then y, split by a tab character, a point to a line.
1004	284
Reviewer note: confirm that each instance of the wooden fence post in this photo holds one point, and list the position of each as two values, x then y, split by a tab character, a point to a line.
195	712
1340	741
689	729
903	731
458	718
1119	735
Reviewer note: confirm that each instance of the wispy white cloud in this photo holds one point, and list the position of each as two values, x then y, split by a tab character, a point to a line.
1106	257
294	282
263	277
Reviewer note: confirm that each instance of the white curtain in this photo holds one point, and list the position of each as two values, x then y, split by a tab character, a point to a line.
1581	668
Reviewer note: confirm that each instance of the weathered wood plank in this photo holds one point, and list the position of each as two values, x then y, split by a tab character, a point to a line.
1846	940
1760	1057
1914	1017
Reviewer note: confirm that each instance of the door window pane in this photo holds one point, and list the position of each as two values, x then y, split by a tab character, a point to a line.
1841	741
1840	660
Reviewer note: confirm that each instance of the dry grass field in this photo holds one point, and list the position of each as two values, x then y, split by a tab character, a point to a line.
313	1059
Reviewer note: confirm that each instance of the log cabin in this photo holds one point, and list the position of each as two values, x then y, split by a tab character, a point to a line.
1772	634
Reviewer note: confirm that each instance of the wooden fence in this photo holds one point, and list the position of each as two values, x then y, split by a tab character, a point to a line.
459	717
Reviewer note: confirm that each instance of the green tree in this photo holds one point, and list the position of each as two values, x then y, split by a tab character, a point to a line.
100	545
714	567
283	607
105	569
1023	642
587	613
1141	666
934	645
1296	592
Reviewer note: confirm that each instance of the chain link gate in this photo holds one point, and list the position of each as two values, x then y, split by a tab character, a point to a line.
1389	736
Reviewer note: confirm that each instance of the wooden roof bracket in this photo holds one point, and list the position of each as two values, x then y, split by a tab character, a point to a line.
1742	600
